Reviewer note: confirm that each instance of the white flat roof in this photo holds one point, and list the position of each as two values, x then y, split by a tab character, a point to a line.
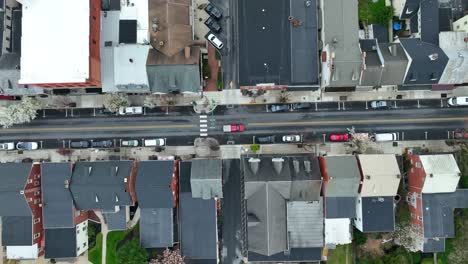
381	175
22	252
337	231
137	10
442	173
55	41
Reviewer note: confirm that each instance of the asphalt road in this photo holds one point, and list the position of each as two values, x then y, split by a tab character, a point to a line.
428	121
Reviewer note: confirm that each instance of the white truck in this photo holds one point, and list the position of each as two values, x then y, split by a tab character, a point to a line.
133	110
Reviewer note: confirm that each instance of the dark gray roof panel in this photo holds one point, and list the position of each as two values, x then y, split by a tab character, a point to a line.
206	178
432	245
17	231
395	63
101	184
414	24
304	51
340	207
153	182
16	22
410	9
13	177
430	21
185	168
118	220
344	176
174	78
378	214
60	243
156	228
57	208
295	255
198	227
438	215
423	69
380	32
128	31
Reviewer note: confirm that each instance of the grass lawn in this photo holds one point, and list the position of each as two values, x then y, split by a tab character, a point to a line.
371	12
112	239
339	255
95	254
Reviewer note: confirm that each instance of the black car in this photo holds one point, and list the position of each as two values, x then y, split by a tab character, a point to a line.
102	144
213	25
213	11
79	144
300	106
266	139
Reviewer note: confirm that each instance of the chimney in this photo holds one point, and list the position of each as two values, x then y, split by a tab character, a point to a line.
277	164
254	164
296	166
187	52
433	56
307	166
393	50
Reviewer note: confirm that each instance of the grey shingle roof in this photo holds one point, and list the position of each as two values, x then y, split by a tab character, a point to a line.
305	224
410	9
423	70
117	220
206	178
395	63
153	182
57	208
438	215
344	176
156	228
17	231
430	21
60	243
432	245
101	184
378	214
372	73
380	32
13	177
174	78
198	235
340	207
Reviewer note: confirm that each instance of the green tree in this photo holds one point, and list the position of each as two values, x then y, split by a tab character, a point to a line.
132	253
359	237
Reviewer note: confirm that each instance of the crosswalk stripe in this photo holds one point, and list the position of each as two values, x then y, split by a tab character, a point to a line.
203	121
203	125
203	116
203	134
203	130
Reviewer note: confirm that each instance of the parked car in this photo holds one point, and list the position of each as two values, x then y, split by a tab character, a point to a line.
130	143
134	110
213	25
299	106
215	41
9	97
460	135
337	137
279	108
381	137
292	138
266	139
101	144
79	144
155	142
7	146
214	11
233	128
26	145
379	105
458	101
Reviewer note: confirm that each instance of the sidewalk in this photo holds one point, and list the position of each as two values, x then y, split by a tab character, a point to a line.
235	97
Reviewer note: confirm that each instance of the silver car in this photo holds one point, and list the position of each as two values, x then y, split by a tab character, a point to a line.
26	145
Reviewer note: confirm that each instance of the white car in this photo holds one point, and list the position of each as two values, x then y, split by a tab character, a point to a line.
155	142
130	143
292	138
458	101
26	145
134	110
7	146
215	41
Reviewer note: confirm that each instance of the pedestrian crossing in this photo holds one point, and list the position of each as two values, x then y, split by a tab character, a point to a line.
203	125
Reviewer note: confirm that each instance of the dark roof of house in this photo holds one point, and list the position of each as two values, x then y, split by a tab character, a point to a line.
156	228
433	245
410	9
2	25
430	21
197	227
445	19
13	177
116	220
206	178
438	215
423	70
414	24
395	63
128	31
16	30
57	201
153	184
174	78
380	32
295	255
201	261
17	231
378	214
60	243
110	5
340	207
101	184
185	168
344	176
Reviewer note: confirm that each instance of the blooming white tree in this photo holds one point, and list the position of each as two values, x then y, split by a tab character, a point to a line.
23	112
114	101
169	257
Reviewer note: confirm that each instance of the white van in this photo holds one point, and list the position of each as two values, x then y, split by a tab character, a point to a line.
133	110
458	101
155	142
380	137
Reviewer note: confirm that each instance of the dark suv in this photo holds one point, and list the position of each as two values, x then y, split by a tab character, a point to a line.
266	139
213	11
79	144
213	25
102	144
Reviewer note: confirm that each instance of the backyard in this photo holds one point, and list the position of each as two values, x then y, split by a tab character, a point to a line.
343	254
374	12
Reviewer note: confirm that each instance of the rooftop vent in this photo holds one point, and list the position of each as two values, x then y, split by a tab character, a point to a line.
431	175
278	164
433	56
155	24
381	199
96	198
393	50
254	165
434	76
398	176
368	177
116	170
90	169
116	198
67	184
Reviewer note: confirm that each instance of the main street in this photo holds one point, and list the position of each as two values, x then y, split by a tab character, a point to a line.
180	126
